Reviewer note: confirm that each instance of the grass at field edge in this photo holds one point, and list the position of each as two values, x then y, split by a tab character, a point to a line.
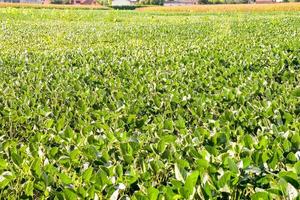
53	6
225	8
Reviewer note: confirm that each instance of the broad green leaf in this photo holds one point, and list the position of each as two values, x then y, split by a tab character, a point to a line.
17	159
87	174
3	164
168	124
224	179
297	168
69	133
296	92
190	184
232	166
291	178
5	179
65	178
29	188
275	191
288	118
260	196
69	194
202	163
180	123
153	193
36	167
292	157
60	123
49	123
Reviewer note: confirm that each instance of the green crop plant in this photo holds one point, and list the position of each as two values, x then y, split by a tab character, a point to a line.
130	105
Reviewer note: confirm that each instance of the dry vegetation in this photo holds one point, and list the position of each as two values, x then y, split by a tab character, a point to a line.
56	6
227	8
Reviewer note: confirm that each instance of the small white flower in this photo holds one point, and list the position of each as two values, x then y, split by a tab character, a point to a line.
231	153
284	134
240	165
46	162
40	152
259	190
2	138
211	121
127	173
4	174
28	151
221	172
195	140
49	188
113	180
225	189
121	186
292	192
2	178
254	170
115	195
207	157
265	83
298	155
185	98
132	139
85	166
108	164
205	178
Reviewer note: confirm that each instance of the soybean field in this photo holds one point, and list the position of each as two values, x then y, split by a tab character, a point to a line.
104	104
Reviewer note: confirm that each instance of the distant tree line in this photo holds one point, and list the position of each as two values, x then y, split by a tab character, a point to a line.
60	1
223	1
104	2
152	2
161	2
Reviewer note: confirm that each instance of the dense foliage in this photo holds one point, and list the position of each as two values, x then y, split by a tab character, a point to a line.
60	1
106	104
151	2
